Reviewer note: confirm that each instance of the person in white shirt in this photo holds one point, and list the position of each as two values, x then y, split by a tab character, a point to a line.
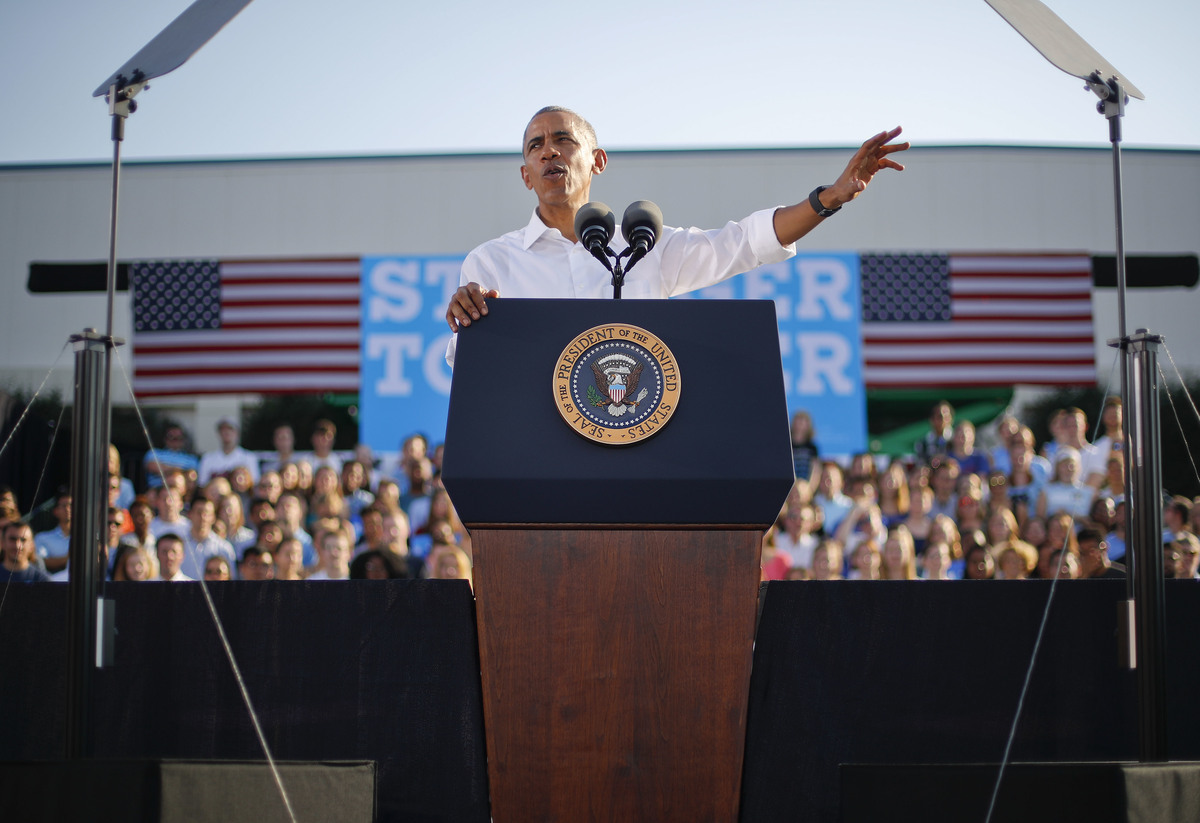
202	542
229	456
168	500
335	557
324	433
561	156
170	557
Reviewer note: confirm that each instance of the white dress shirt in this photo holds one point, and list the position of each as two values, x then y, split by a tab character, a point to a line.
537	261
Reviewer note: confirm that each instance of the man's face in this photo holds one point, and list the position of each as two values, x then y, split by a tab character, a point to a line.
116	522
62	511
170	504
270	486
289	556
18	543
142	515
335	549
941	418
228	435
322	441
258	567
284	439
170	557
175	439
559	160
202	516
352	476
270	537
395	530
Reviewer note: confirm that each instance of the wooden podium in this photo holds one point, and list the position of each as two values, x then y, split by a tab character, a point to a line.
616	585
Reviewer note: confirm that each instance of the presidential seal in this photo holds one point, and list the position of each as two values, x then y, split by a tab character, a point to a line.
616	384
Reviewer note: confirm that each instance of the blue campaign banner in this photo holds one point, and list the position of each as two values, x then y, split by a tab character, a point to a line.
818	307
404	379
405	382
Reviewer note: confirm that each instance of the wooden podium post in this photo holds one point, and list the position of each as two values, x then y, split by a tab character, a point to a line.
616	586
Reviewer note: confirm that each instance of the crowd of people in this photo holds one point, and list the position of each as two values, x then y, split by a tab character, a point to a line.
950	510
229	514
955	510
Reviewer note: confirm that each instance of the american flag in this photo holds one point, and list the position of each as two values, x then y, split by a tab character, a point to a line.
245	326
977	320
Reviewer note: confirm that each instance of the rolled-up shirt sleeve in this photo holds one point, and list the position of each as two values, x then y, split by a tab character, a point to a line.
695	258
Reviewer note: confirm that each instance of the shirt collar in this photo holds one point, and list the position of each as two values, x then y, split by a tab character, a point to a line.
535	229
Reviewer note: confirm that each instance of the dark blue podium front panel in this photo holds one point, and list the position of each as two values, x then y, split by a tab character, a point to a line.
723	458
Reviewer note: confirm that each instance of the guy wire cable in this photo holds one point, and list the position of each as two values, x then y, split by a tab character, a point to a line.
1012	732
212	610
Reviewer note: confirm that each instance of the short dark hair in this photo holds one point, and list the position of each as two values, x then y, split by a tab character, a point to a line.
587	127
253	551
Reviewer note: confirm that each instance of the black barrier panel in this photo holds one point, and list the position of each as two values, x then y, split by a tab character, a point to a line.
363	670
930	672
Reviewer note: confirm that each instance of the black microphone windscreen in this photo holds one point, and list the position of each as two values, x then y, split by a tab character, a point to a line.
592	216
642	214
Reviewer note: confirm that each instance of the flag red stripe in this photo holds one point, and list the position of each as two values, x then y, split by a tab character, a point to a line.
930	362
287	301
289	324
883	338
231	370
233	347
298	283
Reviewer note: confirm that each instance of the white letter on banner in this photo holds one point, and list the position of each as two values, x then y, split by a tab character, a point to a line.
824	354
437	373
763	284
824	280
398	281
392	348
444	273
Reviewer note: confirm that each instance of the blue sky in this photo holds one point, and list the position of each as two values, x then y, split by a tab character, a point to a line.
301	77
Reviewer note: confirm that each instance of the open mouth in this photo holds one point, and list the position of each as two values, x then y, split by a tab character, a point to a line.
554	172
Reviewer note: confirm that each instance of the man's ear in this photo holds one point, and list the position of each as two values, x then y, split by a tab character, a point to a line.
599	160
525	178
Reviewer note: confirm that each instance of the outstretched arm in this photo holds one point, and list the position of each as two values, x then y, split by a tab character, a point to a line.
793	222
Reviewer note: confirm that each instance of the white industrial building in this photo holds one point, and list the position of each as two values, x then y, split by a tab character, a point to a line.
954	198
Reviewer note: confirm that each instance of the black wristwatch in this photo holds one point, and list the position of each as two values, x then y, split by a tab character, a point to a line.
815	201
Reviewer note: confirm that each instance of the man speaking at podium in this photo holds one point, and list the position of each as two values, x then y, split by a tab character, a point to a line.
545	259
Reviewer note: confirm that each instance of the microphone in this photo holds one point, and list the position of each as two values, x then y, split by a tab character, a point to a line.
642	226
594	226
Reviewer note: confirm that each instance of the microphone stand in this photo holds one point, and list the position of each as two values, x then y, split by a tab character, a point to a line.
602	253
1143	616
618	274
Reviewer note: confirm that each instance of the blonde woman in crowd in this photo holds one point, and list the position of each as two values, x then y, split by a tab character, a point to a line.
1002	526
135	563
827	561
935	562
289	560
944	529
893	494
448	563
866	561
1016	559
899	556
